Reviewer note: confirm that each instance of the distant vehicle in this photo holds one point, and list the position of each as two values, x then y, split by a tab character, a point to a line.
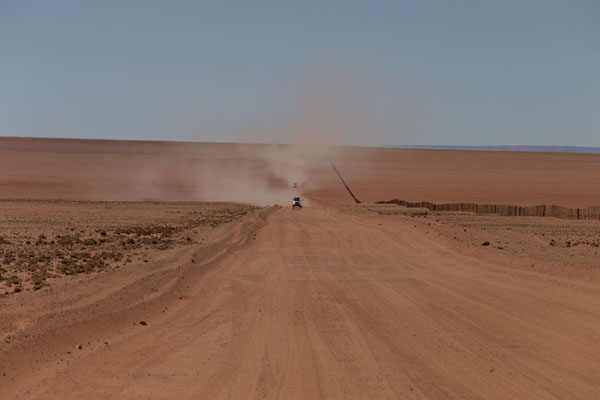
296	202
295	185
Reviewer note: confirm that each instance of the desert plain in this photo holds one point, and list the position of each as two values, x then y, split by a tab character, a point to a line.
141	270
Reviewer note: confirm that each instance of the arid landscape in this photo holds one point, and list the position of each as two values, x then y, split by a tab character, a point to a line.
141	270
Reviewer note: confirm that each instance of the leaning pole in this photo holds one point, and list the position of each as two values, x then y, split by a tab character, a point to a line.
357	201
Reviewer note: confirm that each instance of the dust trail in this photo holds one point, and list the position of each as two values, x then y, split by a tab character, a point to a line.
319	115
323	113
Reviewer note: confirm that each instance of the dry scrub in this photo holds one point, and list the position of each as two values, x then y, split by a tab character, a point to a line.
43	241
562	247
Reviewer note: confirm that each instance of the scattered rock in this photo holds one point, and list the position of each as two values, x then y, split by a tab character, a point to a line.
486	243
143	323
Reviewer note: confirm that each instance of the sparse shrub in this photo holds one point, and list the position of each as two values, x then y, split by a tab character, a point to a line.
114	255
68	240
13	280
38	278
94	263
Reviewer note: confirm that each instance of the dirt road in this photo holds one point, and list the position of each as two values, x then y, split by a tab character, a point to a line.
324	305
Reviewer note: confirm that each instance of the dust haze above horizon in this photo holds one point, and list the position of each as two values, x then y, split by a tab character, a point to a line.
379	73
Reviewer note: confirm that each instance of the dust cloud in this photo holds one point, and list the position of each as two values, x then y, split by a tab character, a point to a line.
322	115
260	174
294	148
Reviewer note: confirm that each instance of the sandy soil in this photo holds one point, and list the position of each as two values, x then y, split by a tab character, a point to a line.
332	301
42	241
454	176
111	170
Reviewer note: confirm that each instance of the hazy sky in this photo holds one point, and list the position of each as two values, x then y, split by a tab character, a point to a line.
398	72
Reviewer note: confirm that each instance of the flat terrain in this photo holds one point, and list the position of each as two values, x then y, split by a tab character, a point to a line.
455	176
112	170
42	241
217	300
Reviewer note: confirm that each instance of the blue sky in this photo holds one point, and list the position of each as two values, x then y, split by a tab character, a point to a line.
419	72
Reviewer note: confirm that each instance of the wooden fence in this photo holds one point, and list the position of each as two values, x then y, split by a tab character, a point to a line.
505	209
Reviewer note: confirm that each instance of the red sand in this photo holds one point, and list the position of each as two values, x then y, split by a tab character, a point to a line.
114	170
332	301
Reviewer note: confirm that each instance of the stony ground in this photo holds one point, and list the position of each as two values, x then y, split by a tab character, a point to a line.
43	241
545	244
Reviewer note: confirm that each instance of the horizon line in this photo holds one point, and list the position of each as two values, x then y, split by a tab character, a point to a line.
495	147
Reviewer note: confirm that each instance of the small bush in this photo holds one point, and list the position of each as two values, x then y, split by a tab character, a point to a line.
13	280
